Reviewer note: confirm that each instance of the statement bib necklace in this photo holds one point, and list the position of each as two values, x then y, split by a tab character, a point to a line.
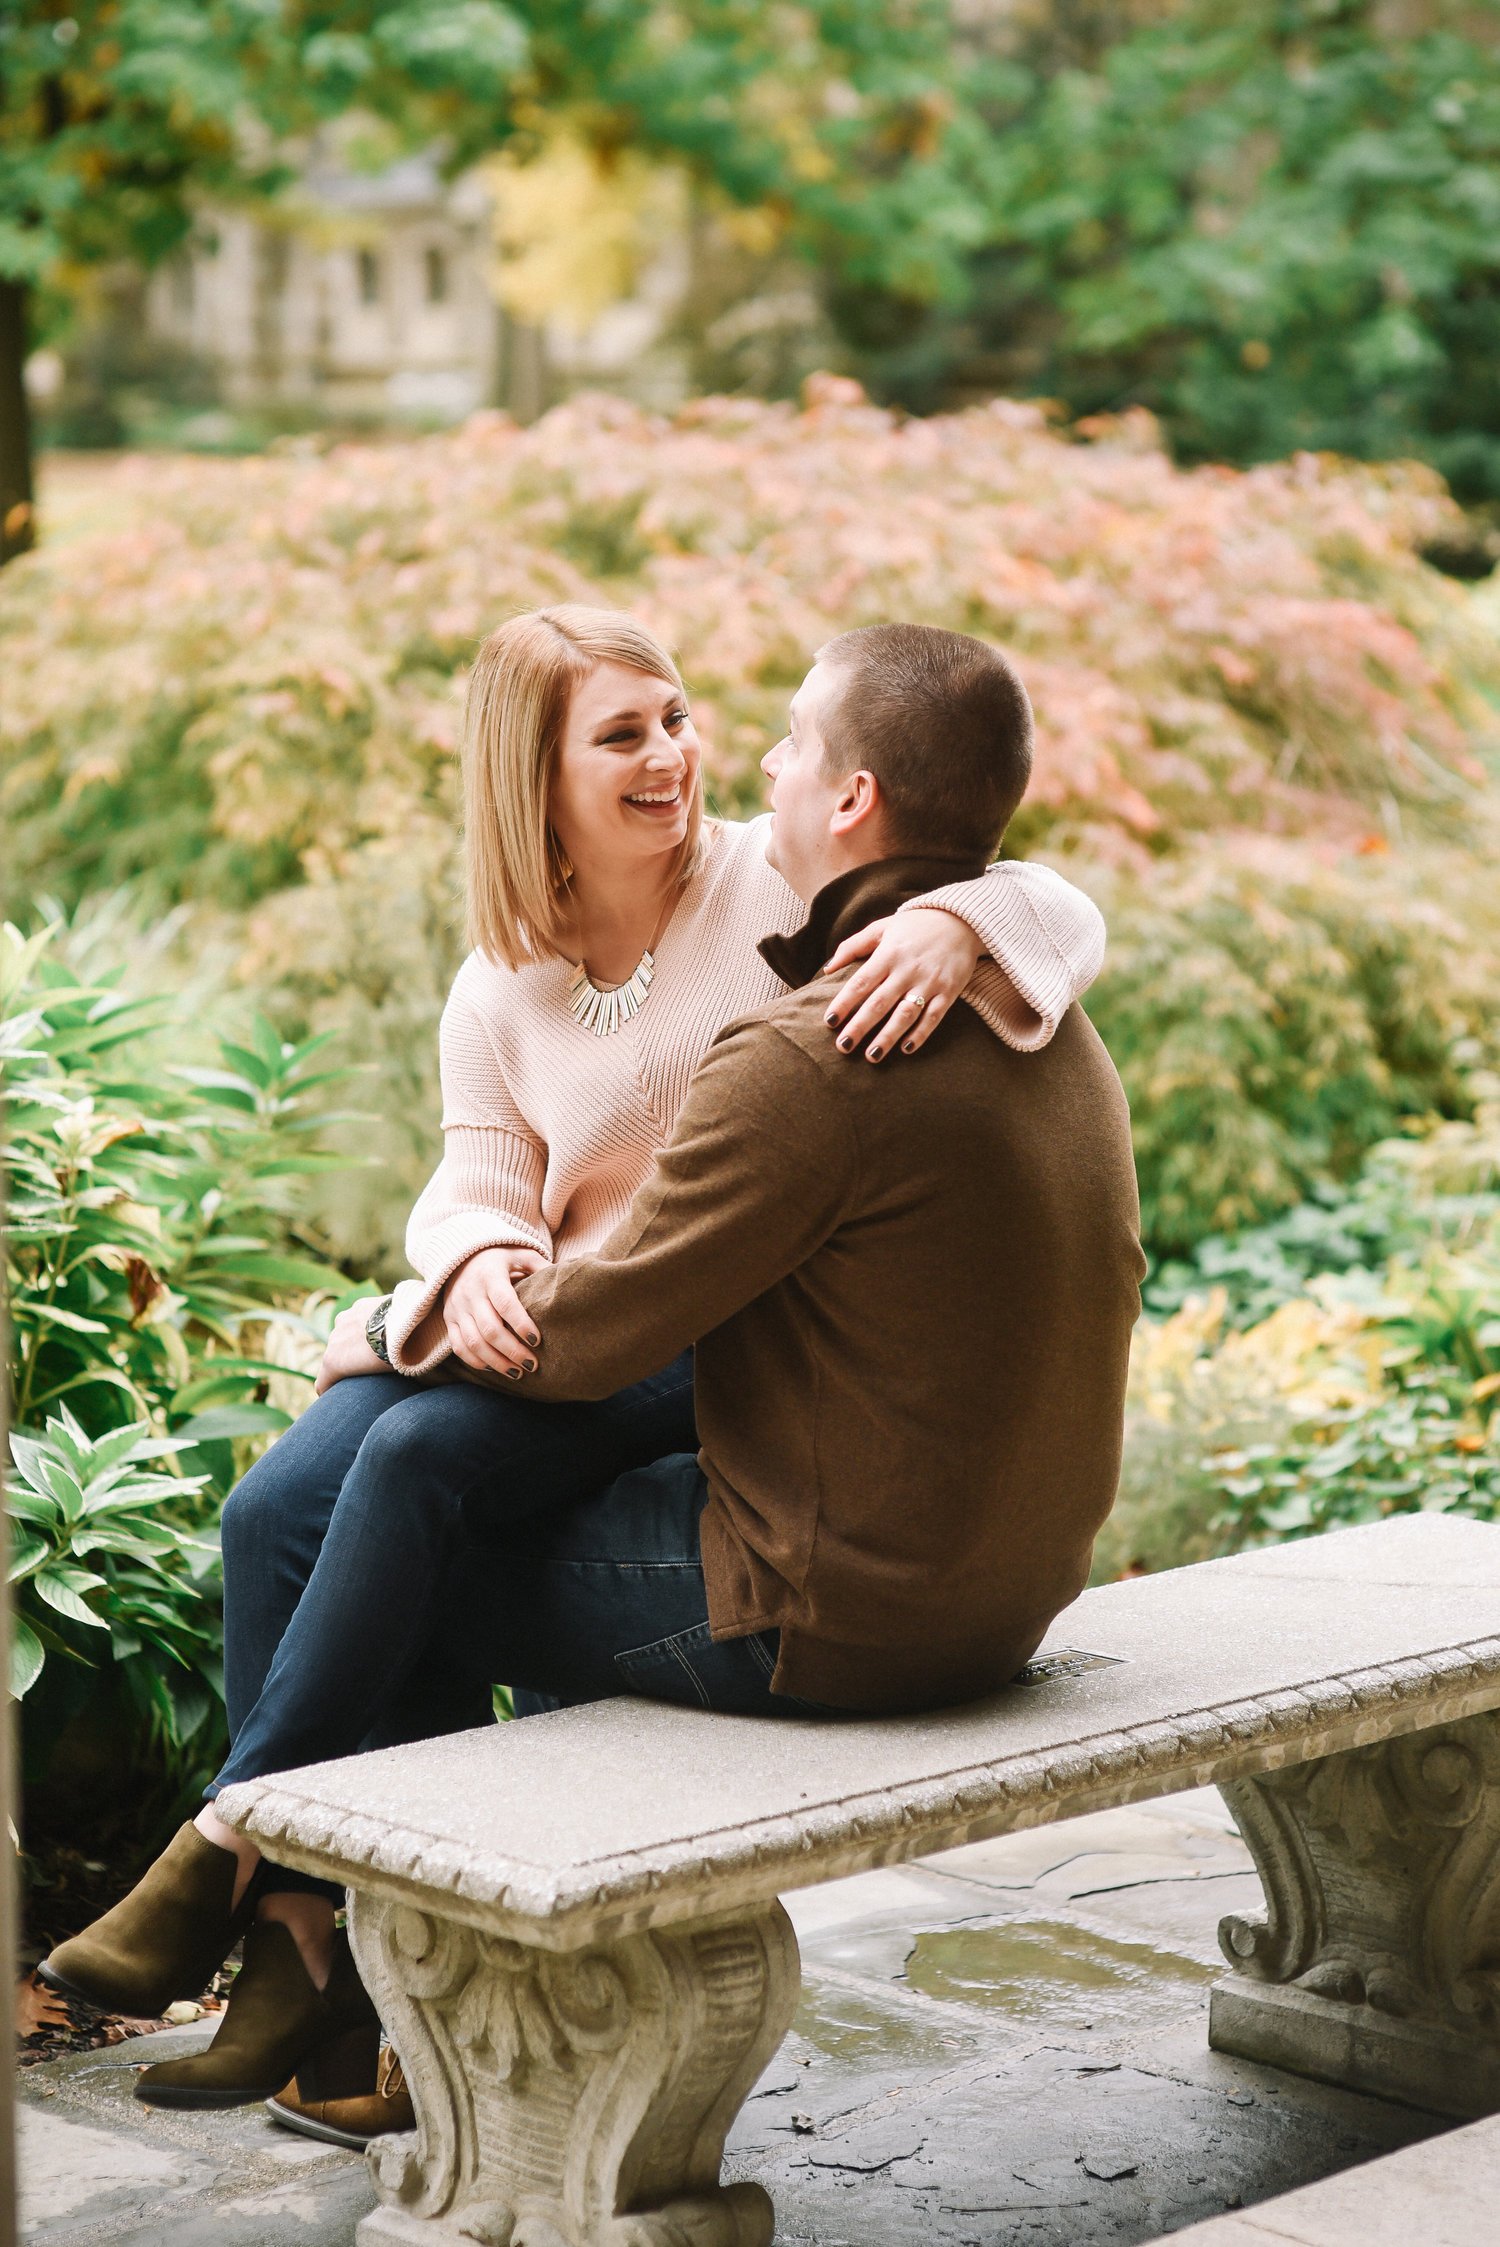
604	1012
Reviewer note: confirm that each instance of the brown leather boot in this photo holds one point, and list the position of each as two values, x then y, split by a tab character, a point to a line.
277	2020
166	1939
320	2103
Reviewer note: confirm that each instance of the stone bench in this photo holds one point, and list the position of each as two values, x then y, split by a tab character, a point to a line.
571	1925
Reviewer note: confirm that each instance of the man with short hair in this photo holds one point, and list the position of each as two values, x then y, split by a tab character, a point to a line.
911	1294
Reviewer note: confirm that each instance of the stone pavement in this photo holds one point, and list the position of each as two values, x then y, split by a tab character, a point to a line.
1004	2044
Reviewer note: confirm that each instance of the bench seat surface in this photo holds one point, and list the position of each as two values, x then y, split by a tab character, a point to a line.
627	1813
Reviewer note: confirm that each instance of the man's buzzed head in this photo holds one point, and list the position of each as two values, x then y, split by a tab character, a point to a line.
944	724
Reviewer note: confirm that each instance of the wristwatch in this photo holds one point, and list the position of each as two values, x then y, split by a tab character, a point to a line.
375	1328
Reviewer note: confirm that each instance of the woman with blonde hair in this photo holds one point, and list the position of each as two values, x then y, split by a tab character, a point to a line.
614	930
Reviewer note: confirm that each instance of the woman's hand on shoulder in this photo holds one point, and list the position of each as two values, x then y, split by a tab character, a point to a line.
349	1350
908	971
489	1327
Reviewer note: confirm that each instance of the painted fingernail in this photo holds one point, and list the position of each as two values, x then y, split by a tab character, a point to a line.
910	1046
534	1340
531	1365
831	1015
875	1052
512	1373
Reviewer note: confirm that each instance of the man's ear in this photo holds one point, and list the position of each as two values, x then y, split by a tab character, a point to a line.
859	805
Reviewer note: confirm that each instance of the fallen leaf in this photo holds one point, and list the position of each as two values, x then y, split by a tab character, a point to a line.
37	2007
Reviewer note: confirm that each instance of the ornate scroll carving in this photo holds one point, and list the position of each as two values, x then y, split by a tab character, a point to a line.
573	2098
1377	1963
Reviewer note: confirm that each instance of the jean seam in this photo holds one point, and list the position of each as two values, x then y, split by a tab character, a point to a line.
688	1671
632	1660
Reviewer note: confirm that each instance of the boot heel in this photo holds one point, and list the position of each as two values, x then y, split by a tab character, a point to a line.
343	2068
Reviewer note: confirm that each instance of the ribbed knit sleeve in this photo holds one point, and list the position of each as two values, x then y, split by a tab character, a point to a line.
485	1193
1045	944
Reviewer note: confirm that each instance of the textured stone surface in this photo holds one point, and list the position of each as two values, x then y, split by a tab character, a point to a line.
1087	2032
1377	1962
1218	1672
98	2169
1445	2193
570	1924
69	2169
557	2088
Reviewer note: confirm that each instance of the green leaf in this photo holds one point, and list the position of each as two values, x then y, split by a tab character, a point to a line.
270	1269
27	1549
26	1657
31	1313
61	1596
224	1422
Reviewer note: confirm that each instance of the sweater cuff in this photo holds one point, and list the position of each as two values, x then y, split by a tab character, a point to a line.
415	1334
1033	975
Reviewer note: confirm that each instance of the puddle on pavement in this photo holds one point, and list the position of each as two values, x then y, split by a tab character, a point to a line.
1050	1971
845	2026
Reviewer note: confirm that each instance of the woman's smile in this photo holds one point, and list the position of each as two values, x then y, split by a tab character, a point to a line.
656	801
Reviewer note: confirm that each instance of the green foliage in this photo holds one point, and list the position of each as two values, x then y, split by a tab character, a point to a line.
1426	1441
1270	1031
146	1252
108	1537
1277	224
138	1252
120	116
1334	1232
1338	1366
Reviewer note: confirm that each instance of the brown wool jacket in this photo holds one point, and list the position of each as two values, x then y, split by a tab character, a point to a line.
911	1288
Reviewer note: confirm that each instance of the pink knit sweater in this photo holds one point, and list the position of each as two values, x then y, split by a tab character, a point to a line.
548	1130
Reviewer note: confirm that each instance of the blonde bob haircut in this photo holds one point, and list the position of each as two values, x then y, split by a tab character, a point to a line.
519	692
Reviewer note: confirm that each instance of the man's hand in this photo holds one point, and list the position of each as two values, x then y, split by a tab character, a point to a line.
348	1350
915	965
489	1328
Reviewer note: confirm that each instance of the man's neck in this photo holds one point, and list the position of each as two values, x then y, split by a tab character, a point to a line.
863	893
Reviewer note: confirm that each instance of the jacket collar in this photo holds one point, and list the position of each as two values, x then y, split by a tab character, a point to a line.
850	902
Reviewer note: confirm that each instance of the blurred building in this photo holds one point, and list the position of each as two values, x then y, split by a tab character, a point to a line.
372	296
365	296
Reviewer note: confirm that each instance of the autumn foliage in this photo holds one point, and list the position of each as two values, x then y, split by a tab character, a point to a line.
1263	724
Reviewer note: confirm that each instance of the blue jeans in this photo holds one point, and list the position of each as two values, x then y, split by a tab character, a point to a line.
398	1549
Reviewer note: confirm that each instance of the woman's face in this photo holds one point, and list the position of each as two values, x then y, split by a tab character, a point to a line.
627	769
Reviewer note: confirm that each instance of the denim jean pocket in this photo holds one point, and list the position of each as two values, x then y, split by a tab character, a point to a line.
698	1672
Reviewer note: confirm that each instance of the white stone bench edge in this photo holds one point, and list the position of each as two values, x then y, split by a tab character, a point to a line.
667	1883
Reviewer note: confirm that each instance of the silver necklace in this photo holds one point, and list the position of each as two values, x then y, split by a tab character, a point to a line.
604	1011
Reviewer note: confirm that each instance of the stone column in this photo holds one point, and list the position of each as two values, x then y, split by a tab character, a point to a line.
1377	1964
573	2098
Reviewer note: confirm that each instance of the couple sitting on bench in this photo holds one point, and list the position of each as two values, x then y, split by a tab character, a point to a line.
739	1373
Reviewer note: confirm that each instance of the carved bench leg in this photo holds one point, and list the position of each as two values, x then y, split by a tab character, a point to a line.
1377	1964
573	2098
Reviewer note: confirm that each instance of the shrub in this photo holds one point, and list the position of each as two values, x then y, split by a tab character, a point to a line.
1272	1025
146	1251
104	1541
1345	1365
1442	1185
1263	726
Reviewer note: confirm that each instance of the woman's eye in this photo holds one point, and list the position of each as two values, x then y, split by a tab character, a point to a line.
674	719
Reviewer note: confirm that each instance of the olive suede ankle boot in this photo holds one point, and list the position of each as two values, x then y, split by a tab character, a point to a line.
277	2022
166	1939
